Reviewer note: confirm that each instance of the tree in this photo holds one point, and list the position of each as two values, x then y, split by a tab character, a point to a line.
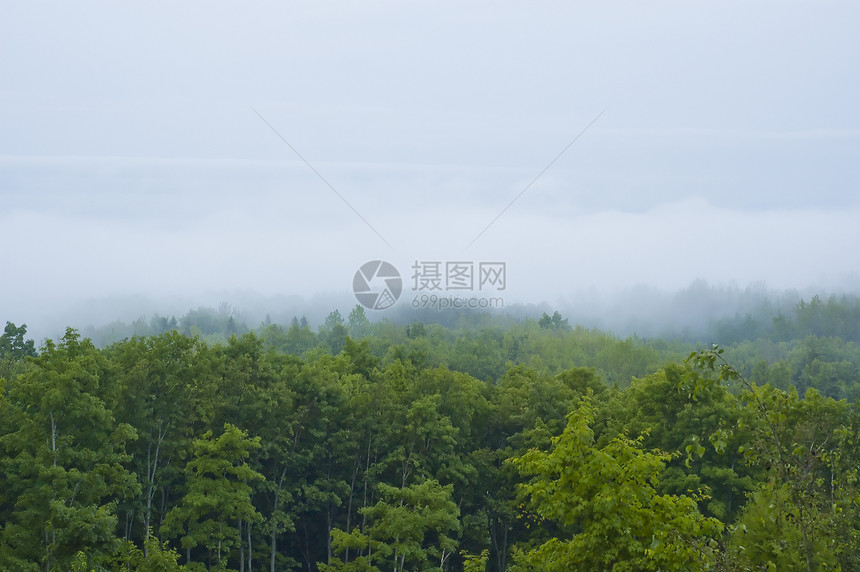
554	322
157	388
410	528
13	346
217	494
806	448
605	505
63	461
317	465
279	428
156	557
358	326
674	414
333	333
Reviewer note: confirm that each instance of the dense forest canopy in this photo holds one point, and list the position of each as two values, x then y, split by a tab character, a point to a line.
484	443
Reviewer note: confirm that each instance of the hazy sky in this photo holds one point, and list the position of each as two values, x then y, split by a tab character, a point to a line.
133	161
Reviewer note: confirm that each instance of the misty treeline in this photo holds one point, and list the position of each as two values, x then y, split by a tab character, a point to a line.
485	445
813	340
697	314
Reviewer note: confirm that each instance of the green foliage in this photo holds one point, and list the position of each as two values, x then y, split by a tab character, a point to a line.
606	506
834	317
375	445
14	351
156	557
63	460
475	563
358	326
554	322
675	413
13	346
333	333
411	528
217	494
807	488
753	543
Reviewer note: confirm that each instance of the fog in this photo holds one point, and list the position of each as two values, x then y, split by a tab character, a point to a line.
136	175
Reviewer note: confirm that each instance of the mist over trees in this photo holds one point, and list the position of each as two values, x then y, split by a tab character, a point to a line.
701	312
481	441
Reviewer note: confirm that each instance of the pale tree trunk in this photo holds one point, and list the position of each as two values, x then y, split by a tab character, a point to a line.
250	548
274	544
241	548
53	438
276	506
328	535
349	504
151	468
220	528
51	543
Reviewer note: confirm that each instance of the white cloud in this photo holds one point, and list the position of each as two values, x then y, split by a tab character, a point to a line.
131	159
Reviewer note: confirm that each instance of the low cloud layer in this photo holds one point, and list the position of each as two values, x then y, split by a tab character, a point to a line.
133	161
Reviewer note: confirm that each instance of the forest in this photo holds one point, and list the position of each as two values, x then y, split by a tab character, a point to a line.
482	443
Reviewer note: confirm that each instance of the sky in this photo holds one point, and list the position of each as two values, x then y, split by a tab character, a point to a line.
192	150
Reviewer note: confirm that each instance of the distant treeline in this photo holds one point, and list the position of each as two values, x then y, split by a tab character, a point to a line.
698	315
814	344
837	317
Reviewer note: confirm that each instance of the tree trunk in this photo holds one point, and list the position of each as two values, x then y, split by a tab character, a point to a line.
275	508
349	503
151	468
328	535
241	548
250	548
274	549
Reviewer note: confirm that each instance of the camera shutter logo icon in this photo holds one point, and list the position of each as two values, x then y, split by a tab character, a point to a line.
377	285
